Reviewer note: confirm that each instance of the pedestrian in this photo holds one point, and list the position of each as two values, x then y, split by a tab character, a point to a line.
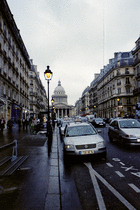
10	124
2	123
33	126
23	123
19	123
26	123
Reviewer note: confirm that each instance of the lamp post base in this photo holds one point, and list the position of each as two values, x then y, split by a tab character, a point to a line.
49	135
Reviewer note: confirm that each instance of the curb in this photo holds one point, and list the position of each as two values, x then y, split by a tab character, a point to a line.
52	201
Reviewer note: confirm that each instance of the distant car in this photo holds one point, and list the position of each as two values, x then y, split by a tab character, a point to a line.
126	131
84	119
81	138
98	122
58	121
62	128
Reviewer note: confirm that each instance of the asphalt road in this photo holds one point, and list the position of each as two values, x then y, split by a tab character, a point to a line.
85	183
96	183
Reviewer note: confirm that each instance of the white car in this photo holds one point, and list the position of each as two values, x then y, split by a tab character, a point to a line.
62	128
126	131
83	139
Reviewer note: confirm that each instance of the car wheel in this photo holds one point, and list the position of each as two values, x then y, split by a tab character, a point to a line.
110	138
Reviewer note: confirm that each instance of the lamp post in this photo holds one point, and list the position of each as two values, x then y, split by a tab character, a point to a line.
48	76
95	111
52	112
118	99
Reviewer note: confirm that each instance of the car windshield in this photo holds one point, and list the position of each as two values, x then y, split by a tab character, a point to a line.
80	131
99	119
129	124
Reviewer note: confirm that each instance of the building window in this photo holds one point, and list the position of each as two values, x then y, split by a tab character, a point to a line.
118	72
139	84
118	63
119	90
138	70
126	71
128	101
118	81
31	98
127	81
128	90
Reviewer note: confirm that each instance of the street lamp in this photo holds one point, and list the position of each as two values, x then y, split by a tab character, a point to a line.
53	112
118	99
48	76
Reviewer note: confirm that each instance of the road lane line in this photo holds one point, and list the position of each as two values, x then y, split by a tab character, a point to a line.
112	189
109	164
137	190
99	197
119	174
122	163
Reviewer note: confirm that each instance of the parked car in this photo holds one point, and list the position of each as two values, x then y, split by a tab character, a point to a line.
62	127
58	121
98	122
81	138
126	131
90	117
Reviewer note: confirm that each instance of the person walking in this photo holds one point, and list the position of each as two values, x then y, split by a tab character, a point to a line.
23	123
2	123
26	123
19	123
10	124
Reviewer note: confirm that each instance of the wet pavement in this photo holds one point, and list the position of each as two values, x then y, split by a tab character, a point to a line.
36	184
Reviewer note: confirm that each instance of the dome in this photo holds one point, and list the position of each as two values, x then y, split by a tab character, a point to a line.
59	90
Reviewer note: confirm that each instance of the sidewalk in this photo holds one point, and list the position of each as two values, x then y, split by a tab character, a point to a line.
53	199
38	178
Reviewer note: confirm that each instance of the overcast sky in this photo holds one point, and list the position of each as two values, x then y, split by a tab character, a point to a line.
76	38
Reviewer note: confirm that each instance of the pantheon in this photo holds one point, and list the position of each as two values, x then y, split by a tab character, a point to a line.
60	102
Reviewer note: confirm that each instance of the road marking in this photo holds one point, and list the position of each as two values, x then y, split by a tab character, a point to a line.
122	163
136	174
99	197
134	188
109	164
116	159
129	168
115	192
119	174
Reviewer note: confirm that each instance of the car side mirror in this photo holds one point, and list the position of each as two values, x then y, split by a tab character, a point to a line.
116	127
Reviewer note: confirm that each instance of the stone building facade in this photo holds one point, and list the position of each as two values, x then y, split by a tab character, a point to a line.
111	92
115	87
14	68
38	98
60	102
15	73
136	91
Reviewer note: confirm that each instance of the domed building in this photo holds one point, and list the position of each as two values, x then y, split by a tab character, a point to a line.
60	102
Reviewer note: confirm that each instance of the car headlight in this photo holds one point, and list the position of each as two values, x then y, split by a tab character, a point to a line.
69	146
101	144
130	136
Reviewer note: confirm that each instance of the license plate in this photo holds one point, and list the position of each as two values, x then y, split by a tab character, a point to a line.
138	140
87	152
